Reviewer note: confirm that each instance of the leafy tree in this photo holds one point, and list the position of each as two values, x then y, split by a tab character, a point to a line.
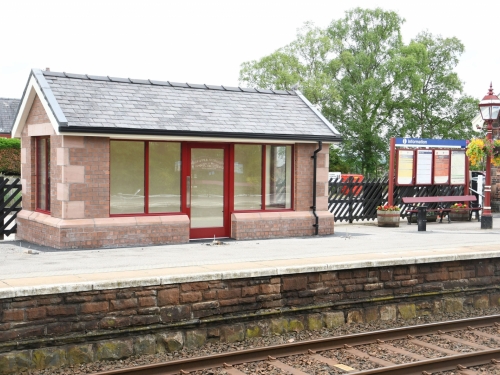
434	107
371	86
306	62
368	49
337	162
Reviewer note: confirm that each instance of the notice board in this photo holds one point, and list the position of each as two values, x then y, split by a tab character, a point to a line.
424	167
405	167
441	167
457	168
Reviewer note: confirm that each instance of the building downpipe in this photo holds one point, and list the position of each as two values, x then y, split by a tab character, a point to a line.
315	172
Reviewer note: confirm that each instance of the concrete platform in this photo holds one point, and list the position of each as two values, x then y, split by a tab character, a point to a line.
29	270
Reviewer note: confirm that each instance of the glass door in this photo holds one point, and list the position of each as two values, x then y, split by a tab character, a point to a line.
206	184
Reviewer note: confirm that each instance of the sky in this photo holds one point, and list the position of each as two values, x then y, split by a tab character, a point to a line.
207	41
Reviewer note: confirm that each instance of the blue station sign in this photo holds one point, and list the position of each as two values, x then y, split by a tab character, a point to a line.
432	143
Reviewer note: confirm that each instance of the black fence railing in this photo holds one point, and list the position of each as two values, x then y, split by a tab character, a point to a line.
354	199
10	205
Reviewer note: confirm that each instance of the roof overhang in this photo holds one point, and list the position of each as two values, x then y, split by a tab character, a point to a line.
179	135
38	86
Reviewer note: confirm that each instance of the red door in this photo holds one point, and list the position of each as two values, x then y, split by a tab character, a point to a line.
205	183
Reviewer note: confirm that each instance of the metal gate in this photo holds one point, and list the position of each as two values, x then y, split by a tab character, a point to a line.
354	199
10	200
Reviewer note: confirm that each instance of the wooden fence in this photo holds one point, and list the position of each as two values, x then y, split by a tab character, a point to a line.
353	199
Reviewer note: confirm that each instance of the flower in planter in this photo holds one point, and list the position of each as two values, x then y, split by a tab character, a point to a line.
386	207
458	207
478	148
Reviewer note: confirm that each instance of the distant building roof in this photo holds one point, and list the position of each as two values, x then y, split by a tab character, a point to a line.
8	111
97	104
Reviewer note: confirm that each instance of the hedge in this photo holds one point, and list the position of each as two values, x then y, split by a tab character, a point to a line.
10	156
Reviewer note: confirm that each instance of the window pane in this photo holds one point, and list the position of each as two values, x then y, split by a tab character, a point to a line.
247	177
42	174
164	177
127	177
278	177
207	187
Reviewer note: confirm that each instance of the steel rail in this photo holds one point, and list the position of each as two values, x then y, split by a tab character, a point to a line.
437	364
302	347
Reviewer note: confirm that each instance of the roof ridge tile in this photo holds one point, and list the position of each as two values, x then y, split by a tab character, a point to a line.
166	83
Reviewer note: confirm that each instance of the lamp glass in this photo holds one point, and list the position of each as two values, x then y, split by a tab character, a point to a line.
485	112
494	112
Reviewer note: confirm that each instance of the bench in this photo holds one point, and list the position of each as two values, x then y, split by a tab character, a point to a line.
443	206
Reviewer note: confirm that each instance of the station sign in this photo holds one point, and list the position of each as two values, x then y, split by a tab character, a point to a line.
422	162
432	143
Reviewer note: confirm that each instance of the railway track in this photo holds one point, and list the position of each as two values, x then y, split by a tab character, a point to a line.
460	347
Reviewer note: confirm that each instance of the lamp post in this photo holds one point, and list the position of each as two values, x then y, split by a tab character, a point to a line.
489	107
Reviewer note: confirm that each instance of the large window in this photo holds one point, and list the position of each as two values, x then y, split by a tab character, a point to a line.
254	190
278	177
247	177
145	177
42	174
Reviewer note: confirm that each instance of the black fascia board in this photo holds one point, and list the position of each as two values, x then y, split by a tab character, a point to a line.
184	133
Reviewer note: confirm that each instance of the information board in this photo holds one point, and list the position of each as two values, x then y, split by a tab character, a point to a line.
441	167
405	167
457	174
424	167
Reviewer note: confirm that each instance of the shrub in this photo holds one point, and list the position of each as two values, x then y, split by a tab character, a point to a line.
10	156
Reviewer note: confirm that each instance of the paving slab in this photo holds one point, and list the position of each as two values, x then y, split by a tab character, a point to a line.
26	269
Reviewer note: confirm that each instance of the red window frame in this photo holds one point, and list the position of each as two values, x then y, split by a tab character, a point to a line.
230	178
146	181
263	179
38	175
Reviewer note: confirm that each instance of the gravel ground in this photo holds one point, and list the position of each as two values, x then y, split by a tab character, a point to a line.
315	368
376	351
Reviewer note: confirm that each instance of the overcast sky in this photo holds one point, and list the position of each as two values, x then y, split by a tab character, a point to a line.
206	41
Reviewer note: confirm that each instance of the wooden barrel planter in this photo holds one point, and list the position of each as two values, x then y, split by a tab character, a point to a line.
459	215
388	218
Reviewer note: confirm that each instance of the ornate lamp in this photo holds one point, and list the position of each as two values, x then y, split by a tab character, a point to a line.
489	107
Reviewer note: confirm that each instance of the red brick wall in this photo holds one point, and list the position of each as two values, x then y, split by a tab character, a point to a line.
304	177
37	117
99	233
37	114
30	317
94	191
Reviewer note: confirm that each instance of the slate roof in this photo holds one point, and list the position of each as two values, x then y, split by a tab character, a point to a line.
8	111
122	105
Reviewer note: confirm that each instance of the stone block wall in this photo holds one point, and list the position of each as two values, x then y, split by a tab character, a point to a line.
106	232
269	305
246	226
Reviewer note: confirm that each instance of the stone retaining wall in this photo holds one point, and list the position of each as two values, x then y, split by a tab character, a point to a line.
41	331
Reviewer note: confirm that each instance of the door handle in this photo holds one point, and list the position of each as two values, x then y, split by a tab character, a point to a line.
188	191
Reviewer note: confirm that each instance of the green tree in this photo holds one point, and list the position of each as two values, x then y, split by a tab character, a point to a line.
337	161
434	106
370	85
371	67
306	62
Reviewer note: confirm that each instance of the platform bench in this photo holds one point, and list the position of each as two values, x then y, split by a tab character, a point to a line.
443	207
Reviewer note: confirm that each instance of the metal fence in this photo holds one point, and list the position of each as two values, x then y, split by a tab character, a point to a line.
357	199
10	205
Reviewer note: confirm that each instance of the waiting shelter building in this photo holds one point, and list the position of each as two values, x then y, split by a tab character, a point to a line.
109	162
